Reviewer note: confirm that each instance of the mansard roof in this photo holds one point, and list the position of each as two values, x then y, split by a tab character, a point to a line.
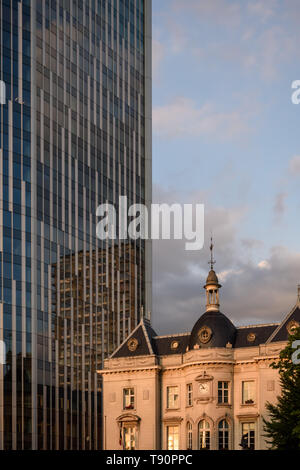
142	335
260	333
144	341
164	345
222	330
281	332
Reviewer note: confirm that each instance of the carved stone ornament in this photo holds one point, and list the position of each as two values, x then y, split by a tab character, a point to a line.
251	337
292	327
174	345
132	344
204	377
205	334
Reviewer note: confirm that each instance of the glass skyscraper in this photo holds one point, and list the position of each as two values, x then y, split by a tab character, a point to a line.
75	132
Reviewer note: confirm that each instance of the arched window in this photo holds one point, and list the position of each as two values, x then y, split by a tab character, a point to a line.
203	435
189	437
223	429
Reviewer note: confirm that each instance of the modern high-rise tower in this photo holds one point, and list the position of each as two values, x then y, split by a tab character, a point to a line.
75	132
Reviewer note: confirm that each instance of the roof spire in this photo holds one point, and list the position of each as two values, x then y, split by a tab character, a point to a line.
298	300
212	261
212	285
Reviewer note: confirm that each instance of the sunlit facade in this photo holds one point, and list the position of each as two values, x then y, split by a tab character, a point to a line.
75	132
204	390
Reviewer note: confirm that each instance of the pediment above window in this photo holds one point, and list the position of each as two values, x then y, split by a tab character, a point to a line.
128	418
204	377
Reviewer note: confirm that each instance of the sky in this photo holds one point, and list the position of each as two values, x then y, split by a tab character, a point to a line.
226	134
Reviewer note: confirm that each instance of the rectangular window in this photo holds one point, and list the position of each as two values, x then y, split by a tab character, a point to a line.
248	436
172	397
248	393
130	438
189	395
223	392
128	398
173	438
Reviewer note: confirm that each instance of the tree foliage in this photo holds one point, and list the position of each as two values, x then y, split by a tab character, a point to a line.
283	426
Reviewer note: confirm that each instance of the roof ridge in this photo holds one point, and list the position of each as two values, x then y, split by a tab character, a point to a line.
257	326
280	325
171	336
147	338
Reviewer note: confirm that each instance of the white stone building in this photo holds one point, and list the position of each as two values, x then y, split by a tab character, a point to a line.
203	390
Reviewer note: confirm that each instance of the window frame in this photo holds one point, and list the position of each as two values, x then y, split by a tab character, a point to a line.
206	430
189	395
132	432
189	436
251	401
173	426
169	387
131	397
225	434
250	438
222	391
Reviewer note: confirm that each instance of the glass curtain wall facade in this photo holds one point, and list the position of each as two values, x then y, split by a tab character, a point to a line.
75	132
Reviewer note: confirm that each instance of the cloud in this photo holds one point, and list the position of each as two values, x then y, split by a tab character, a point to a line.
178	275
224	275
264	10
264	52
178	35
158	52
264	265
275	47
244	46
252	292
182	118
294	165
251	244
245	42
279	207
226	13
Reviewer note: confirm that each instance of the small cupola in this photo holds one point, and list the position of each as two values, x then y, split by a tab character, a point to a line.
212	286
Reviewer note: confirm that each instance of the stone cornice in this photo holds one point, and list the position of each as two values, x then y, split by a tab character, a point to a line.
250	415
197	364
172	419
256	359
209	359
131	359
128	370
181	367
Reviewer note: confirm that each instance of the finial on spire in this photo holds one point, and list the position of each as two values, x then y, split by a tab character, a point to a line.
212	285
299	294
212	261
